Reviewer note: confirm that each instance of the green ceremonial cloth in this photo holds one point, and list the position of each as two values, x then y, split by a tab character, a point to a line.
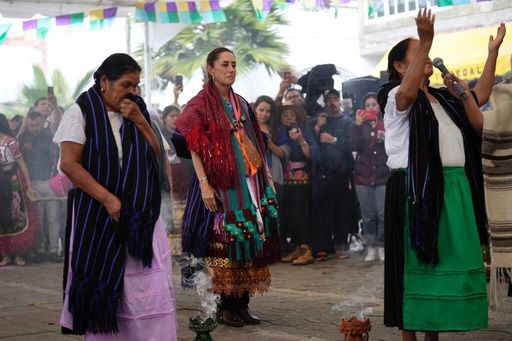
452	295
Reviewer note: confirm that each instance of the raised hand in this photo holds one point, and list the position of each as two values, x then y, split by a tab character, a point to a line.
495	43
425	25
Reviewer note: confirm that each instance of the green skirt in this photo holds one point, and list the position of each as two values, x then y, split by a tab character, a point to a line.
452	295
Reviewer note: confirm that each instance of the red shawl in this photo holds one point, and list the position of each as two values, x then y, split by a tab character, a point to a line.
207	131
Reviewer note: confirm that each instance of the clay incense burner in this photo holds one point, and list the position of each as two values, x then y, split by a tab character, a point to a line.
355	329
202	328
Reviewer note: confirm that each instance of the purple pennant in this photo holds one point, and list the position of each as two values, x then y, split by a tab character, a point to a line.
150	7
192	6
172	7
62	20
320	3
30	25
214	5
267	5
109	12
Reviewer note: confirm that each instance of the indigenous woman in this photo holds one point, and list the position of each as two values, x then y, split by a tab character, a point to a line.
434	271
18	223
118	264
370	173
298	176
231	213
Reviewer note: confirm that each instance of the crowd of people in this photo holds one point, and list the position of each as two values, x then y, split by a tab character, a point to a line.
264	182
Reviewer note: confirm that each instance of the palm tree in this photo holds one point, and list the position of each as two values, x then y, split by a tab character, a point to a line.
30	93
253	42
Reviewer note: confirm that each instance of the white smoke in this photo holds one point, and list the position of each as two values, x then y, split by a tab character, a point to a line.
201	281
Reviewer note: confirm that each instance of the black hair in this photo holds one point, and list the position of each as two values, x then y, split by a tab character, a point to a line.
4	125
39	100
397	54
265	99
214	55
115	66
332	92
16	118
168	109
369	95
287	91
32	115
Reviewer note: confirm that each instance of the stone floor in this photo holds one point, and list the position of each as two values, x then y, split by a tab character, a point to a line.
304	303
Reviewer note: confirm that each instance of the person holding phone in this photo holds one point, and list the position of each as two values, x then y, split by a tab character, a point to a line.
118	283
300	168
370	173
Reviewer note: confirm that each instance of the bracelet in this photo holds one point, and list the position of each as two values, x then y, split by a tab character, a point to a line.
335	139
304	144
203	179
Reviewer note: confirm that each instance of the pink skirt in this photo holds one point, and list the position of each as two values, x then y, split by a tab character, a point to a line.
147	310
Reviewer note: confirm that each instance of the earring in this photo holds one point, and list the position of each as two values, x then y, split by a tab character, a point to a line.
102	90
213	78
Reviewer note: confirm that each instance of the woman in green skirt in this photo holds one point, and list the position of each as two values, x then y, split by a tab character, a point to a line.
435	212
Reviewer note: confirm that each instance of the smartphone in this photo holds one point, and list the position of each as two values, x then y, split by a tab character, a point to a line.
371	115
50	90
178	80
287	75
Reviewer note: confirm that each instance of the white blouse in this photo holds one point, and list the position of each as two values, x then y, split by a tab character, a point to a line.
451	144
72	128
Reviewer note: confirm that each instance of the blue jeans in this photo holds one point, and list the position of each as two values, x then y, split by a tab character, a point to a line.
371	201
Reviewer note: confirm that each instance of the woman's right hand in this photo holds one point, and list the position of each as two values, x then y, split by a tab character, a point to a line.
209	195
360	117
425	25
113	206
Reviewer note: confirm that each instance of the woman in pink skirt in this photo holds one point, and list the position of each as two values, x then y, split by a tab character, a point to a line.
118	264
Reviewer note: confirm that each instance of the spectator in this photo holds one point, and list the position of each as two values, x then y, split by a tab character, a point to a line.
276	153
370	173
15	124
347	105
18	228
39	153
338	213
296	202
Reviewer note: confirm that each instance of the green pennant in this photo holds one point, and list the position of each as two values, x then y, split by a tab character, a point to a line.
4	29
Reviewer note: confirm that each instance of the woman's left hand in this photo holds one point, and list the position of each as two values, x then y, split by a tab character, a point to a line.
495	43
130	110
448	81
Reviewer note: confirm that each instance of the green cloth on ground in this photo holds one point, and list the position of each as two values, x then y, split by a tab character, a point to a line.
452	295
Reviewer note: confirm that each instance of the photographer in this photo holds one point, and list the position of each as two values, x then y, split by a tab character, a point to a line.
370	172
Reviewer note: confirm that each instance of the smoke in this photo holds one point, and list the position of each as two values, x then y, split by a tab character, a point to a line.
197	277
355	303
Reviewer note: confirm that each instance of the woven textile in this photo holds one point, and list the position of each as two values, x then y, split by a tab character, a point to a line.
497	168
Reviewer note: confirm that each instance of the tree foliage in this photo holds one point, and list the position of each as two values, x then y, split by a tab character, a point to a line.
39	88
253	42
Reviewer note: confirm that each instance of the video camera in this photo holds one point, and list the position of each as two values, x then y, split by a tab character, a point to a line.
315	83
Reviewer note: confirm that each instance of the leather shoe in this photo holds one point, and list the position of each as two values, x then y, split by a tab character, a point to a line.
229	318
248	318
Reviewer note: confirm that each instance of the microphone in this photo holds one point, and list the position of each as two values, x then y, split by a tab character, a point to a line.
438	63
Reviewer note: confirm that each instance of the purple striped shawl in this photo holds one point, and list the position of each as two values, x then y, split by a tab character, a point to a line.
99	244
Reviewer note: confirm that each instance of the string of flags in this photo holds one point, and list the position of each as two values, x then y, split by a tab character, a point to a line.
189	12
